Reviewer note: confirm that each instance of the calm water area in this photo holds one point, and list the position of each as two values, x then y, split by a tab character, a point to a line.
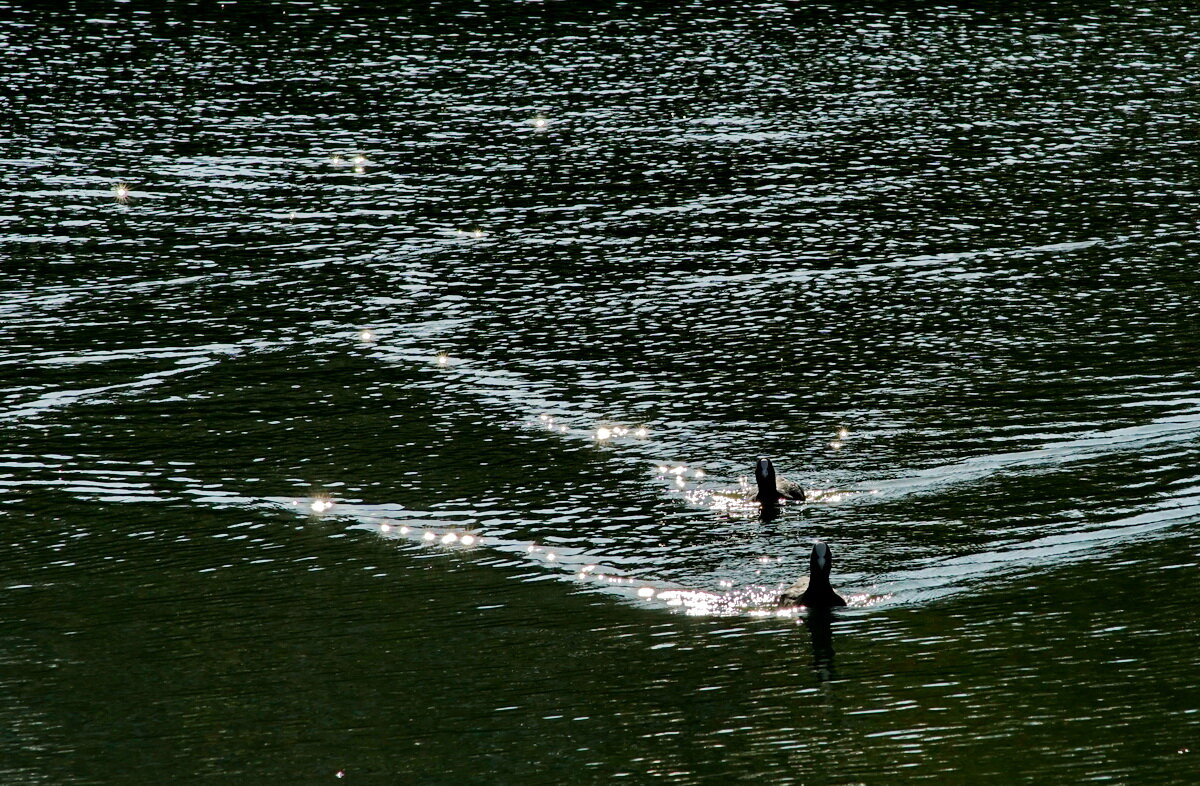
377	383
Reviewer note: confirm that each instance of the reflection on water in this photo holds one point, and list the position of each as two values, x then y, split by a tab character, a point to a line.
382	383
820	627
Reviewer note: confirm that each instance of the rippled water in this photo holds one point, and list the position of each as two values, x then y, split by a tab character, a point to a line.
294	300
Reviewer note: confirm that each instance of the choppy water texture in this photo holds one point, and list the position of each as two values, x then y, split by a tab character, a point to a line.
297	299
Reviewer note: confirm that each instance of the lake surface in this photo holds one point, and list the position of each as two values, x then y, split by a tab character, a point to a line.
313	316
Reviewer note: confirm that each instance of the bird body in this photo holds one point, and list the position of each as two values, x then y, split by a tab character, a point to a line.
814	590
773	489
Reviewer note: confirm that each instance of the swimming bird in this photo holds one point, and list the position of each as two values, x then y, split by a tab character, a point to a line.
773	488
814	590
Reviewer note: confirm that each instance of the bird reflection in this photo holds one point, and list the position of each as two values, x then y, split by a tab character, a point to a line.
819	624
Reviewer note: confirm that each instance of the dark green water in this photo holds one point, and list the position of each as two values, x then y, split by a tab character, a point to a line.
965	236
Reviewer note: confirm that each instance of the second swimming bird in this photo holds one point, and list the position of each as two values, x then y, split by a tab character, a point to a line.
772	488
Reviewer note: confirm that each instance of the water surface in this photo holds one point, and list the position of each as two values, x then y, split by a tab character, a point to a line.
406	262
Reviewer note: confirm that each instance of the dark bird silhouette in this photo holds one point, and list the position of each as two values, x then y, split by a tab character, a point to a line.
772	488
814	590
